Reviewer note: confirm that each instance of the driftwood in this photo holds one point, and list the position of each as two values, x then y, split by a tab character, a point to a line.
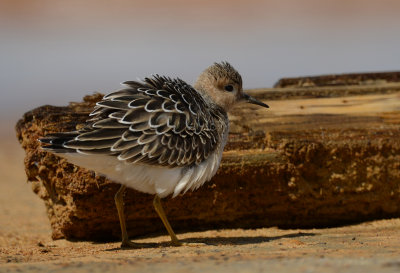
323	155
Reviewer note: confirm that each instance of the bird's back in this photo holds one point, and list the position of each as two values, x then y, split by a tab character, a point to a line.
147	131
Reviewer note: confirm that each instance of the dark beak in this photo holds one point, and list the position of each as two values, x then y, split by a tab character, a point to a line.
254	101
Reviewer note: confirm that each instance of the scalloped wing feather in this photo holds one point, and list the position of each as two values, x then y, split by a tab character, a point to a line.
160	121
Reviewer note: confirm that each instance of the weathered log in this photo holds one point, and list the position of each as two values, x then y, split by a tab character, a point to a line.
340	80
321	156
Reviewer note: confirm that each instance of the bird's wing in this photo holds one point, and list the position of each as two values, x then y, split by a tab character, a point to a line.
160	121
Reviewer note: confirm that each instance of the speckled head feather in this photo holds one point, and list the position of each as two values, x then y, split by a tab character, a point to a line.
222	84
225	70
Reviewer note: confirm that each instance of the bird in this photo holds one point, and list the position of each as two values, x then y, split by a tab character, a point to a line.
160	136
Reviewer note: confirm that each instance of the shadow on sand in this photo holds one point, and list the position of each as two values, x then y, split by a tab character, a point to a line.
214	241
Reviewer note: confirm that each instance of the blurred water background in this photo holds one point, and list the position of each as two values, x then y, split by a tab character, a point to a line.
54	52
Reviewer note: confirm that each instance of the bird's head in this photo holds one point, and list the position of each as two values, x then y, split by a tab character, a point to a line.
224	85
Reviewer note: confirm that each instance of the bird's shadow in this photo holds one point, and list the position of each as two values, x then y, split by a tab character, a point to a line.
220	240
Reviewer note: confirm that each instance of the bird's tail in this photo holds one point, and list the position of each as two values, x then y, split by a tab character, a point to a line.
55	142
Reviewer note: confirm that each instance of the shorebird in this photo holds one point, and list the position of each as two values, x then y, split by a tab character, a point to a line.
159	136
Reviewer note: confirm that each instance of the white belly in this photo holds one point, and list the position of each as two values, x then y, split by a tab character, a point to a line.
149	178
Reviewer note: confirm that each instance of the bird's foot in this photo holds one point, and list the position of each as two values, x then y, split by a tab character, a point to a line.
129	244
176	243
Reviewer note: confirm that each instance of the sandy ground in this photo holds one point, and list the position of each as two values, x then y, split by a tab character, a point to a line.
26	246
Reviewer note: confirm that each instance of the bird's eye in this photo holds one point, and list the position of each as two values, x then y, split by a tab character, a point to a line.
228	88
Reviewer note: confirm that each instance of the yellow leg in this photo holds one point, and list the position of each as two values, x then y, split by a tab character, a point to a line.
119	202
160	211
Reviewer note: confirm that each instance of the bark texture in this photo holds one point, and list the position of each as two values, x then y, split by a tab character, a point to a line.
321	156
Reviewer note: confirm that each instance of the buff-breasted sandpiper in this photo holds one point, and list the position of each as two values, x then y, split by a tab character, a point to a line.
160	136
